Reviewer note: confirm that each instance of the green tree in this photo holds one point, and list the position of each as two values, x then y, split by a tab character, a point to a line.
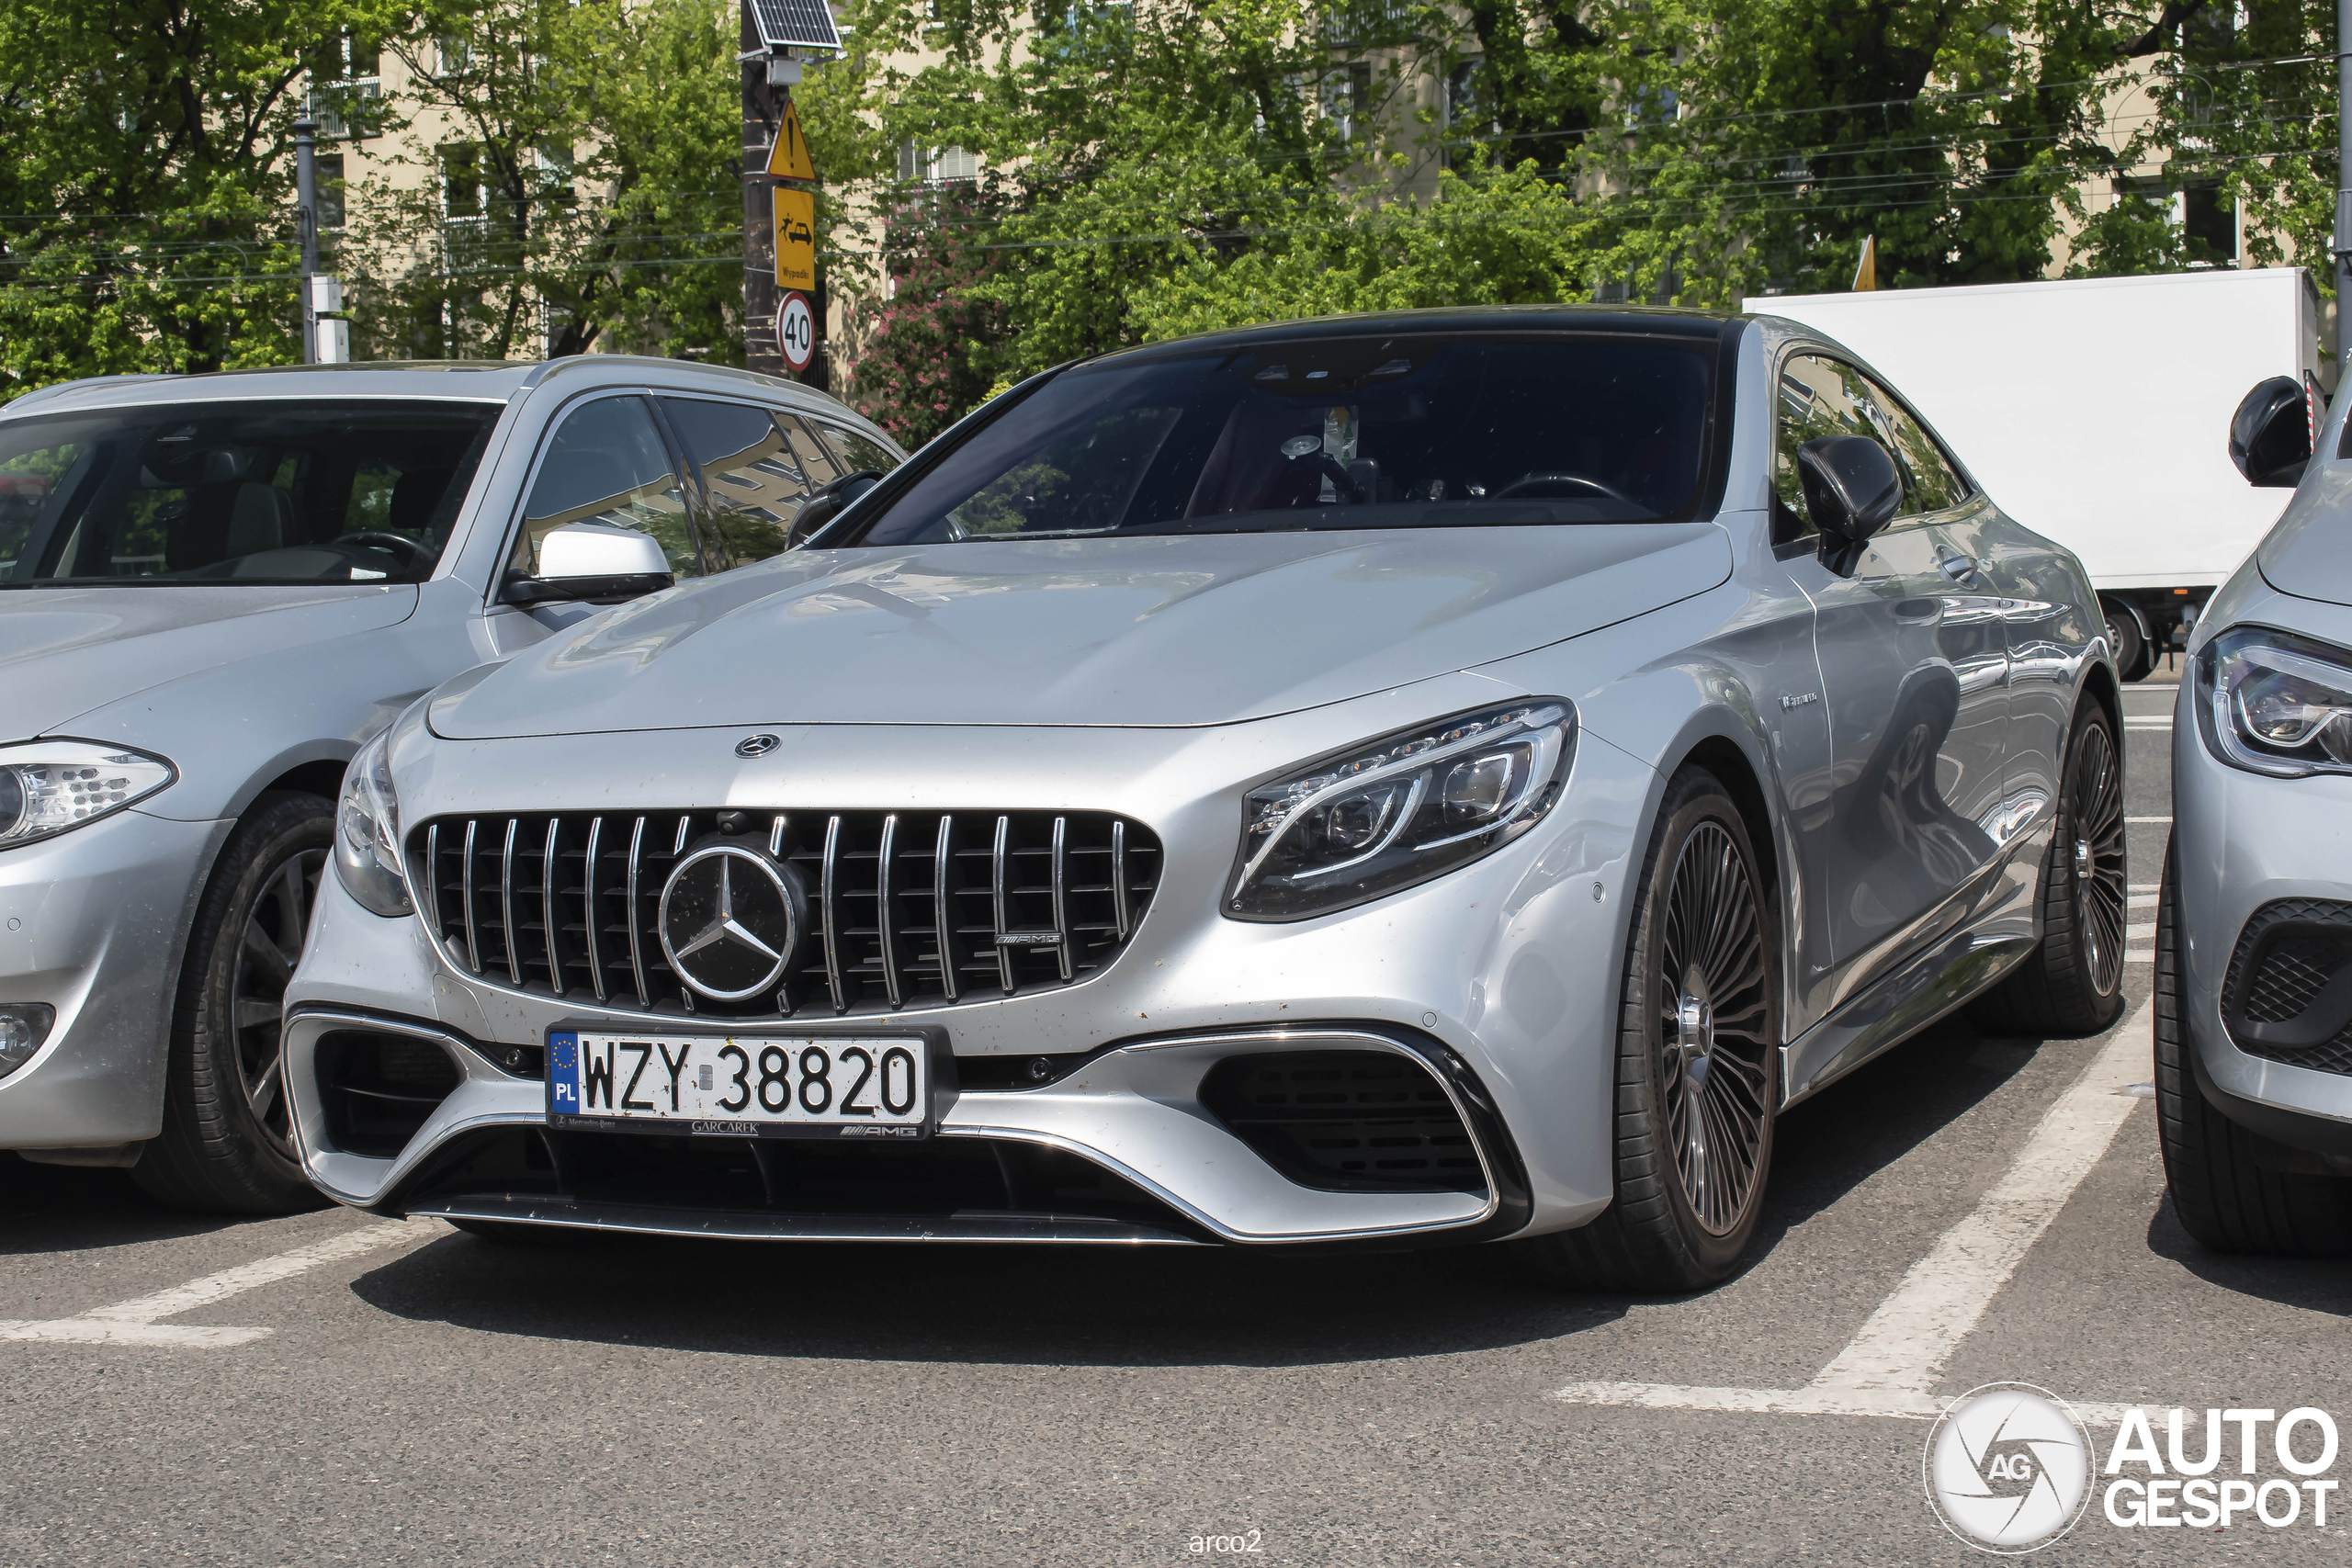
586	183
148	183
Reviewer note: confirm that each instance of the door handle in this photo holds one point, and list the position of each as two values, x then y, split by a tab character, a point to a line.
1957	567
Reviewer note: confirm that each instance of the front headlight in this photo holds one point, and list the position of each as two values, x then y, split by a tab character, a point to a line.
2275	702
50	786
367	833
1399	810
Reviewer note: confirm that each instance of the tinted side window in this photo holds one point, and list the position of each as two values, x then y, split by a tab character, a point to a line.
809	453
857	452
607	462
1930	483
754	482
1820	396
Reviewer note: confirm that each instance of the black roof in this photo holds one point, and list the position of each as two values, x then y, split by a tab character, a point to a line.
1656	321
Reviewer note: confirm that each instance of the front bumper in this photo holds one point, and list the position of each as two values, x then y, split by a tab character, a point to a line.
1134	1110
92	922
2241	841
1502	977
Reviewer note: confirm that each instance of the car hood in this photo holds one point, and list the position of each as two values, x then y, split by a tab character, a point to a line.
2308	554
1195	630
64	652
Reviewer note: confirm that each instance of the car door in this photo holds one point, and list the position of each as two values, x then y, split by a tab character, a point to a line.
1914	661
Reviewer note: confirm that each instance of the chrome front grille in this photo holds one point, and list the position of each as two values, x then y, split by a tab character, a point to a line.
565	904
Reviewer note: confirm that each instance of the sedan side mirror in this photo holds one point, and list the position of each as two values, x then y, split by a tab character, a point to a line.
592	560
1851	486
2270	436
829	503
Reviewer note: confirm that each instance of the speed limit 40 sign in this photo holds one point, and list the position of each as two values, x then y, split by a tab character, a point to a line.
795	330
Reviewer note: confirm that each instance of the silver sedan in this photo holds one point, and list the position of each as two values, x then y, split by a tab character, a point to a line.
1424	778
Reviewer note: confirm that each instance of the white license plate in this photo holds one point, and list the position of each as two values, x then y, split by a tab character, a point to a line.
742	1085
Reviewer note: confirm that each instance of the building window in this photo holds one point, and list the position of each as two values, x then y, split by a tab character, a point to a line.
1347	98
556	164
937	165
329	173
464	194
346	79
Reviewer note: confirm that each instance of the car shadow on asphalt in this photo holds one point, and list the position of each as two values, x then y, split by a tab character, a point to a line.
1142	1306
2314	1284
57	1209
1872	1117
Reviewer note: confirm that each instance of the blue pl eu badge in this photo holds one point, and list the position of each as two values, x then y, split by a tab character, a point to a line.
563	1074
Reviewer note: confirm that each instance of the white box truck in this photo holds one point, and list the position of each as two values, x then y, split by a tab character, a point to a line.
2098	412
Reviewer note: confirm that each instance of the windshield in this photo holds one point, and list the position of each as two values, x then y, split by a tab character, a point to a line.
309	491
1395	431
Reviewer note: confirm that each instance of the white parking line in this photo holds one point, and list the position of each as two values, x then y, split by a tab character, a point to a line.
2147	721
1893	1362
134	1321
2147	820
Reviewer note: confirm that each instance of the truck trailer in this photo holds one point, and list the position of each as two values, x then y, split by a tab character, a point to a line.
2096	411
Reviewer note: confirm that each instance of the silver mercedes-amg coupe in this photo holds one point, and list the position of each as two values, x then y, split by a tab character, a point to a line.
1406	779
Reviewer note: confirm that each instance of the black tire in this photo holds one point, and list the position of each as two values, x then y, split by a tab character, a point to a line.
1696	1091
226	1146
2072	983
2229	1186
2134	655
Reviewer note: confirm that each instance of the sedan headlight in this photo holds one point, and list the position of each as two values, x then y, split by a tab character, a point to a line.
50	786
1399	810
367	833
2278	704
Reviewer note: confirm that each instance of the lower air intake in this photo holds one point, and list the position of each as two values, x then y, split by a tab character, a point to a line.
379	1089
2288	995
1346	1120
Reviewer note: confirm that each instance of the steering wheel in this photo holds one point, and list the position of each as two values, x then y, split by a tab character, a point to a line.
414	553
1547	478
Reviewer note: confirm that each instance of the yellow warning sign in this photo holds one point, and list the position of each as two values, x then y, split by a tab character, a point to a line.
796	238
788	159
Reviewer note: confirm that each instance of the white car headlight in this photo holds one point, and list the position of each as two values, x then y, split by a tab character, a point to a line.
2275	702
1399	810
50	786
367	833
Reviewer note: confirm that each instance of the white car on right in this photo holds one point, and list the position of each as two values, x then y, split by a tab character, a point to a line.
2253	923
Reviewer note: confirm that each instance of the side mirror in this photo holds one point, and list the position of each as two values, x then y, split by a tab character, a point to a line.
1851	486
592	560
2270	436
829	503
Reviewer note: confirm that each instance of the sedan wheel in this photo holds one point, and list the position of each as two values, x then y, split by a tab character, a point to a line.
1697	1060
226	1141
2073	983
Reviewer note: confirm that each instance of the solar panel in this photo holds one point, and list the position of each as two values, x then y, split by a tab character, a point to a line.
804	23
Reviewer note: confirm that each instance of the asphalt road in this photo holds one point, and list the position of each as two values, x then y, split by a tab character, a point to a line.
439	1399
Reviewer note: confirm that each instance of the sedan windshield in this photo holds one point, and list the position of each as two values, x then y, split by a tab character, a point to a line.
309	491
1395	431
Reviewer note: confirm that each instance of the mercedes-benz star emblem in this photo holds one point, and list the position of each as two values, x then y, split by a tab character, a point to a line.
757	745
726	922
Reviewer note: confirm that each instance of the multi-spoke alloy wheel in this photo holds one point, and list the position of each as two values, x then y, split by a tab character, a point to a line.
1714	1010
2072	984
227	1143
271	946
2093	818
1696	1081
